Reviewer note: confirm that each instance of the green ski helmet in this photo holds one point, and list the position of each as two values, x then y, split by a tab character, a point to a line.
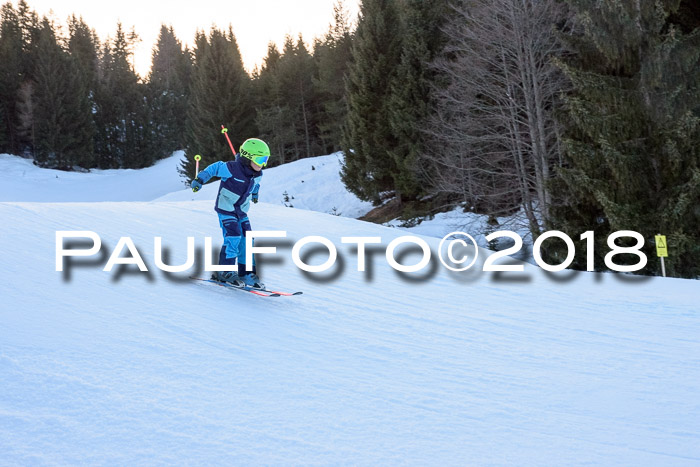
256	150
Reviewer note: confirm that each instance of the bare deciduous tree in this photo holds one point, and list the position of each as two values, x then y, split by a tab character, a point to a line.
494	124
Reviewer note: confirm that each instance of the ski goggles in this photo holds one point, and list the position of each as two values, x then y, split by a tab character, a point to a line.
259	160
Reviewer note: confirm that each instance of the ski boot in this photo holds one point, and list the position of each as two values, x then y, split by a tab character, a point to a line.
253	281
228	276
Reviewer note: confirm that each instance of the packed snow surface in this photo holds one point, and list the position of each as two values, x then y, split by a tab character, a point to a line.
372	368
26	182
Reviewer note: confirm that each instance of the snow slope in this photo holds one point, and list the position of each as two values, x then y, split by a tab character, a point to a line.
26	182
127	368
312	184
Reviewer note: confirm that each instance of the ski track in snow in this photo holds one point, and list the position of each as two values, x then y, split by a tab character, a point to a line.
364	368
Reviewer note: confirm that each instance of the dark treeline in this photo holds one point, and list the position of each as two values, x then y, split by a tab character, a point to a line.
571	115
69	100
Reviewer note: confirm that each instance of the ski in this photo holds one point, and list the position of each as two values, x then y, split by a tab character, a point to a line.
259	292
281	294
226	285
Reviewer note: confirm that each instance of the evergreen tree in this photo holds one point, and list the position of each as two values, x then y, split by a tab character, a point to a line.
272	114
288	107
367	136
11	77
3	136
168	90
333	55
687	16
409	104
105	119
632	132
62	110
125	137
296	71
29	27
83	46
220	95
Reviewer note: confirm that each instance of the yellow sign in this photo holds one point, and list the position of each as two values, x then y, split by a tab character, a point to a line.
661	249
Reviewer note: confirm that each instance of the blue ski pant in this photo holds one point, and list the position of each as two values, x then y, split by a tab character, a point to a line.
233	249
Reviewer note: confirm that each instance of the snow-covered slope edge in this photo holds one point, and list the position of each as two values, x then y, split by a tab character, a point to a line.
312	184
26	182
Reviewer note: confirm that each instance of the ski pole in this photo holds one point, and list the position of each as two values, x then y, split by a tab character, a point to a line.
224	130
197	158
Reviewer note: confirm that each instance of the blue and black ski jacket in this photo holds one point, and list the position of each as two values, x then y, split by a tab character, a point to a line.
239	183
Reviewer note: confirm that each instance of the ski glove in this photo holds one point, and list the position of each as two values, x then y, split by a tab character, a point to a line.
254	198
196	184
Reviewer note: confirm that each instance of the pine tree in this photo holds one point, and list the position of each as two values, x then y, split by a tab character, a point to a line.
295	75
105	116
687	16
29	27
272	115
367	136
83	46
62	110
287	109
409	104
307	99
168	85
3	136
220	95
333	55
632	131
125	137
11	77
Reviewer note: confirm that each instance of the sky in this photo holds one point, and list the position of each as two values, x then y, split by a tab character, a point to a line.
255	23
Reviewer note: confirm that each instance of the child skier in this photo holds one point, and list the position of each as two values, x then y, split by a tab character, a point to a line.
240	183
